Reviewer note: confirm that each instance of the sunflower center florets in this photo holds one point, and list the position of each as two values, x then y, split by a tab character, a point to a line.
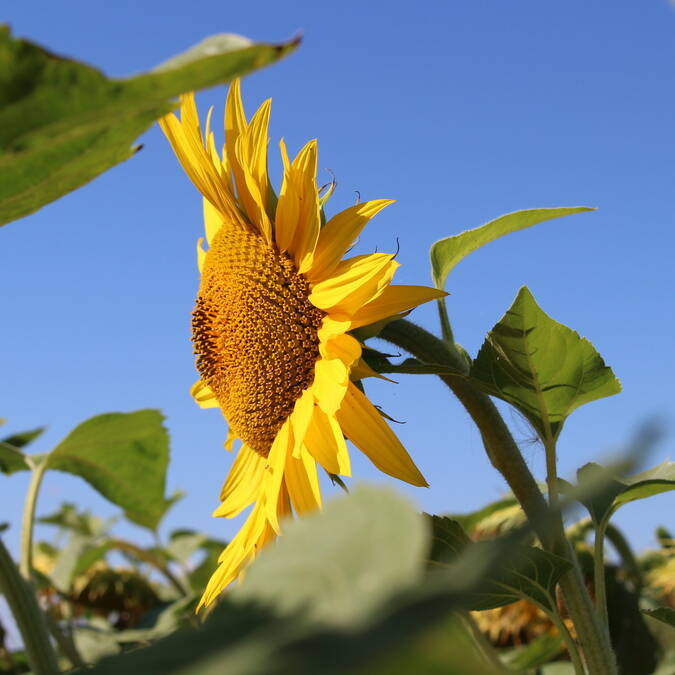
255	334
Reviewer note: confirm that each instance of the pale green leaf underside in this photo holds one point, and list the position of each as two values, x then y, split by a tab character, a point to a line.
663	614
541	367
62	122
447	253
124	456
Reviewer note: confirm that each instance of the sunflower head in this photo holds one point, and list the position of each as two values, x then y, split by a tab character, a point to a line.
272	321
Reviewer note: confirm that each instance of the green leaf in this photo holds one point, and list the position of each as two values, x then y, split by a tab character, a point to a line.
448	252
124	456
67	561
338	565
63	122
12	459
200	575
68	517
23	438
183	544
613	491
504	514
541	367
526	572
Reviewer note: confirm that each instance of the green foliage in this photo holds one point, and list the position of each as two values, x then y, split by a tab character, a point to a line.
535	654
124	456
541	367
323	565
663	614
612	491
63	122
11	457
526	572
447	253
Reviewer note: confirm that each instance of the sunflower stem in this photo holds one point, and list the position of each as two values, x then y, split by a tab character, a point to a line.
28	520
506	457
28	616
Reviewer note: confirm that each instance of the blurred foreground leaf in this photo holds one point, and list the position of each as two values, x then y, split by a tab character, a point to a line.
541	367
338	565
63	122
124	456
403	617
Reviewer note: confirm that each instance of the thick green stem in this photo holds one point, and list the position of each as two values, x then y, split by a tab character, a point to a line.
28	616
551	473
599	583
26	560
572	650
506	457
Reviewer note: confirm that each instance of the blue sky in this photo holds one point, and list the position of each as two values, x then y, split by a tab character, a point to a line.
461	111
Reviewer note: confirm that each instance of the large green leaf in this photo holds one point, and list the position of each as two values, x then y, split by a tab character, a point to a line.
63	122
122	455
527	572
447	253
338	565
541	367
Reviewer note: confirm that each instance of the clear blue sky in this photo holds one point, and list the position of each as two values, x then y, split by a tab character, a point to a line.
461	111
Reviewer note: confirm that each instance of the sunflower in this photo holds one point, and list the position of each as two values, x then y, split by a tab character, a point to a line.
271	326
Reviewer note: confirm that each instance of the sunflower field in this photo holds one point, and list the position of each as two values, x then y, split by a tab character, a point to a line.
323	574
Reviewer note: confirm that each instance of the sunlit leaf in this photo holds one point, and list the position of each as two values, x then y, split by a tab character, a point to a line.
124	456
63	122
22	438
447	253
541	367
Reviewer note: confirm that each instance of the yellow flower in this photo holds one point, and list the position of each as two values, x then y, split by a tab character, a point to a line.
271	326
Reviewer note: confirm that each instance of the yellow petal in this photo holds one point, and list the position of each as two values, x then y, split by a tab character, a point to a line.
274	473
243	483
325	442
201	254
393	300
343	347
354	283
298	217
365	427
331	377
300	418
361	370
339	233
203	395
302	483
213	220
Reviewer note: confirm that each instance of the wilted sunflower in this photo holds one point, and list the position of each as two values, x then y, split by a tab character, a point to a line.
271	326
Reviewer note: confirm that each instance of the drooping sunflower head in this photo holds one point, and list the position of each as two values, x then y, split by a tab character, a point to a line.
272	322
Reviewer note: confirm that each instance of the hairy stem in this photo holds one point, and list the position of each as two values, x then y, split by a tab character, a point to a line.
28	616
506	457
599	583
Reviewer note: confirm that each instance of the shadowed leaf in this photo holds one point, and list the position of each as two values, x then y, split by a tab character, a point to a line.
63	122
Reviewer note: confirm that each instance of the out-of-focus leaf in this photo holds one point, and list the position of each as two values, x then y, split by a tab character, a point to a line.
558	668
22	438
447	253
200	575
12	460
183	544
124	456
67	561
528	572
409	367
541	367
68	517
63	122
314	567
535	654
663	614
93	643
615	491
